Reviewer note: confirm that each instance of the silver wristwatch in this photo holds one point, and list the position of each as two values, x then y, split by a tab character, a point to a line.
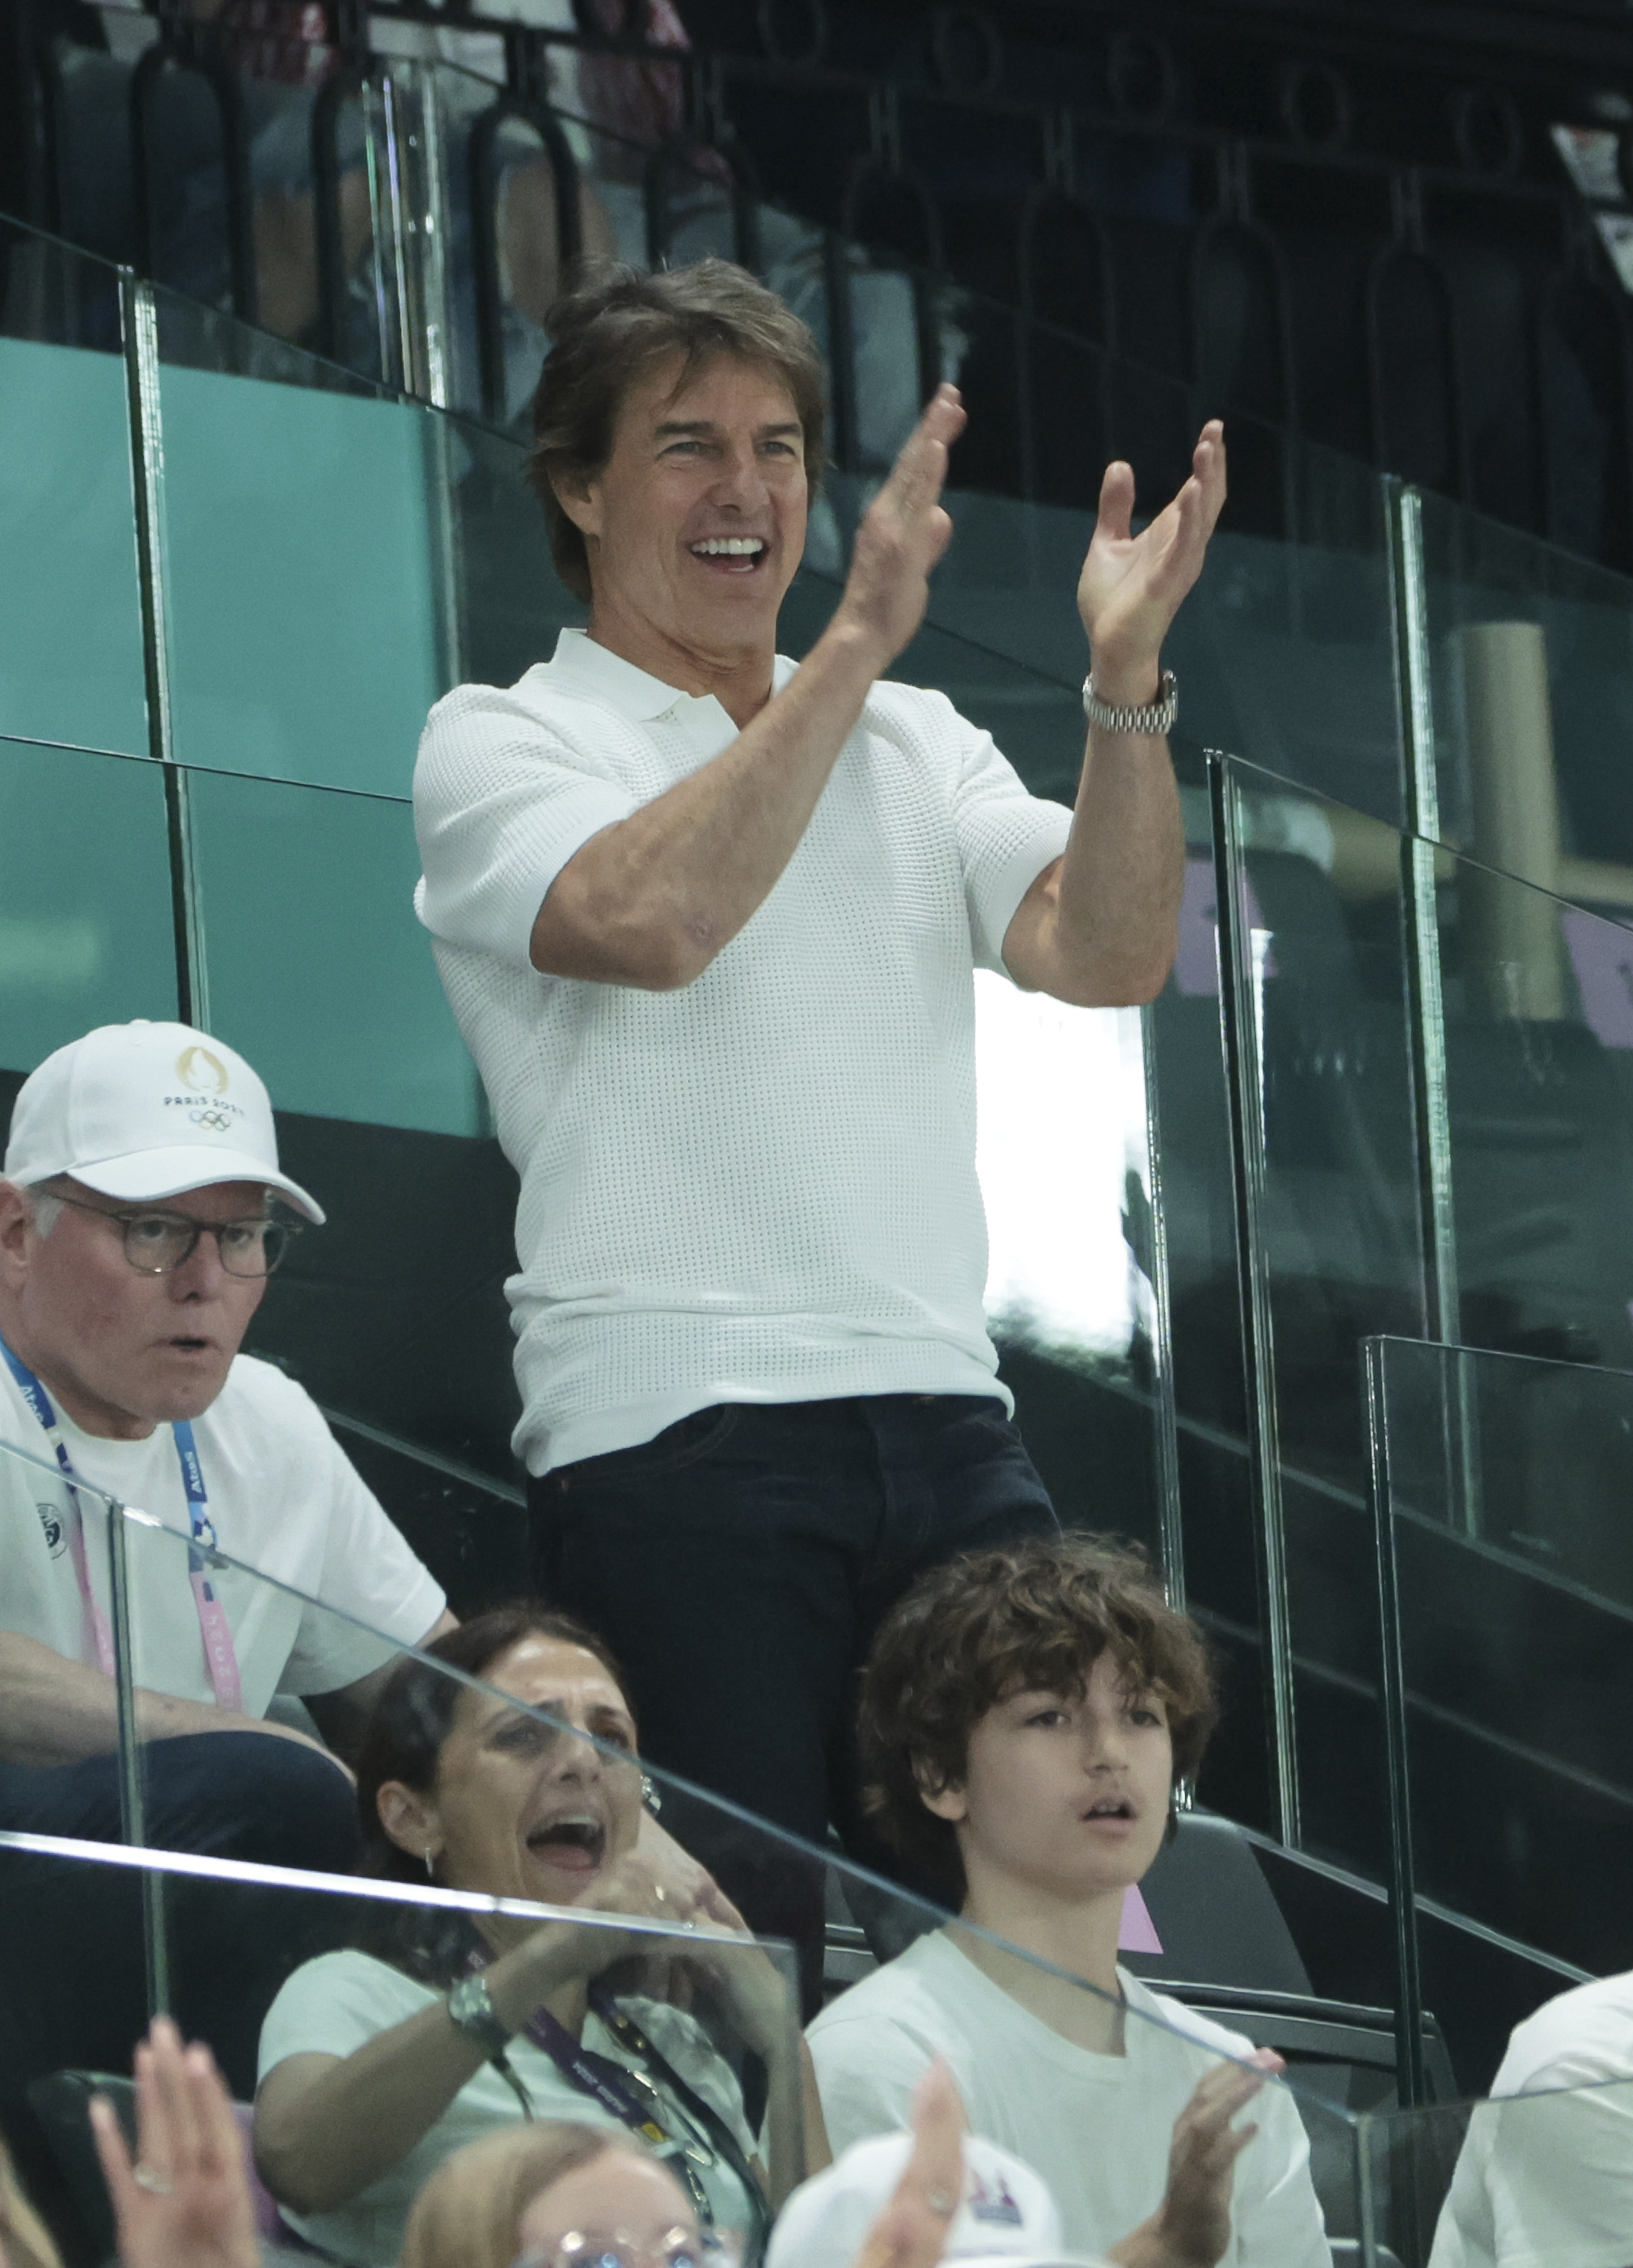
1155	719
470	2004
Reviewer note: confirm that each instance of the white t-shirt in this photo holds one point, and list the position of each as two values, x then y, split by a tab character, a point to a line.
1547	2181
1097	2127
283	1501
338	2003
761	1187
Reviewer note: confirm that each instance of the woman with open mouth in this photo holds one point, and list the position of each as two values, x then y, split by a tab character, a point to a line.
437	2026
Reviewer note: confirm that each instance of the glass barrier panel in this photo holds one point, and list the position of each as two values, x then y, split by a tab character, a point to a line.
315	966
1541	2173
308	571
71	610
1532	671
691	2037
1500	1483
1322	1069
1538	1075
87	929
521	1779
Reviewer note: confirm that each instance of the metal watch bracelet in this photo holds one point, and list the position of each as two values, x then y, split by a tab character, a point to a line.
1154	717
470	2004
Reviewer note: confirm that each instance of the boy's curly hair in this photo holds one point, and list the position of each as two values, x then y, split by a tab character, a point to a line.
1033	1615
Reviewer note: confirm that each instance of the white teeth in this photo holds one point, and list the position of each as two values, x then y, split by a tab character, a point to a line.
730	547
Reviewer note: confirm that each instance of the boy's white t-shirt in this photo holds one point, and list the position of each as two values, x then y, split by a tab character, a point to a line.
283	1499
1097	2127
1545	2180
761	1186
336	2004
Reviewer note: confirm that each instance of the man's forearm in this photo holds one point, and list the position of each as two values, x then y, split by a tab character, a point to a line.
652	899
1117	921
56	1711
1099	928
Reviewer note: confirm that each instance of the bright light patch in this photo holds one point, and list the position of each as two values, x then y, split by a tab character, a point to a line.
1062	1116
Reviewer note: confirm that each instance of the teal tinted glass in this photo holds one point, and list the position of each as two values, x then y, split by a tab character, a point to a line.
315	967
70	616
87	934
306	560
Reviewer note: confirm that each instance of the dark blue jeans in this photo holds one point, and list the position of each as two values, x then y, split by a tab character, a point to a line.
739	1564
73	1979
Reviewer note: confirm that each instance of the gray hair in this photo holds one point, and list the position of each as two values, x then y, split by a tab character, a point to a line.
44	1210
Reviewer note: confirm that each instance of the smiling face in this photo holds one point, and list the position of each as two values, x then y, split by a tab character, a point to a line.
620	2193
122	1351
520	1809
1064	1793
696	523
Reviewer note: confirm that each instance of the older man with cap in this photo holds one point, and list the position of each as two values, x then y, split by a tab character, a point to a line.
137	1230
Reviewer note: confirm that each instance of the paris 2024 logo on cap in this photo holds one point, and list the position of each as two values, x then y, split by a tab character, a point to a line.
206	1103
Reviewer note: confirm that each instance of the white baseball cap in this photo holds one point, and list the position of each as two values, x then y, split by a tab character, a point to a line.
144	1111
1006	2214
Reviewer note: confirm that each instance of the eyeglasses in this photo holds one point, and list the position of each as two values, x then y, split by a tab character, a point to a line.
159	1243
596	2247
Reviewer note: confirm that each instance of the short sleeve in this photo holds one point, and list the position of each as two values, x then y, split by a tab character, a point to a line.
1560	2178
501	804
867	2071
368	1571
334	2006
1276	2213
1005	838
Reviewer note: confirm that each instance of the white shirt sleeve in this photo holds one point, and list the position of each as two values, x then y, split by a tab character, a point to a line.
368	1571
1005	838
1275	2211
1560	2178
335	2004
500	805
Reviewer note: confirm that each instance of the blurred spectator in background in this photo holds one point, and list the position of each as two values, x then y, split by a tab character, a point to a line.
1547	2176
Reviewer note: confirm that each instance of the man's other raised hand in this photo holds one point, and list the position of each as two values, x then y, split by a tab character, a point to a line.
1131	586
903	534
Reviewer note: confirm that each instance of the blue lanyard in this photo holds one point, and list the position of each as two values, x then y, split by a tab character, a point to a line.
220	1655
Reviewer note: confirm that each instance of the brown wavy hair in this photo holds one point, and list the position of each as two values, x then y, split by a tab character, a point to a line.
610	329
1035	1615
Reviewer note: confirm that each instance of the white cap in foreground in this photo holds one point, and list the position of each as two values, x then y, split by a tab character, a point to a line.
1006	2213
144	1111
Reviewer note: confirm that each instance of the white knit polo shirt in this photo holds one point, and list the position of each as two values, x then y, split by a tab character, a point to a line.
761	1187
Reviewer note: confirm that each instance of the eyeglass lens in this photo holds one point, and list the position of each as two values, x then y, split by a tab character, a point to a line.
160	1242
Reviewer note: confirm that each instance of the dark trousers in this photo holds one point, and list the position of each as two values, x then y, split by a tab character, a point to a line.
73	1973
738	1565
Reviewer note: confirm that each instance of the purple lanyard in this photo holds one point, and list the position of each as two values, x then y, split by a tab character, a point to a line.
220	1654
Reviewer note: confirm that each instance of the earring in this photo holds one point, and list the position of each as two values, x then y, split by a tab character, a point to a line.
429	1865
650	1796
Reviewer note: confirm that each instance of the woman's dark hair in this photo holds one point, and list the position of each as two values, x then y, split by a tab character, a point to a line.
609	330
408	1728
1033	1615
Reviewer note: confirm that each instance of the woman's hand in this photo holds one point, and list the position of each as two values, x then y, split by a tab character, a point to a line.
912	2231
186	2201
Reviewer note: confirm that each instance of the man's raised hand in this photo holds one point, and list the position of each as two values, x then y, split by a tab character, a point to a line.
904	533
1131	586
